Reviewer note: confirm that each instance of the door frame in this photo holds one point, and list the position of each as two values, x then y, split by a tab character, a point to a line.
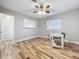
5	14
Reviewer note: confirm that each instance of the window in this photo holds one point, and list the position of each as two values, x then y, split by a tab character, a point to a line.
54	24
29	23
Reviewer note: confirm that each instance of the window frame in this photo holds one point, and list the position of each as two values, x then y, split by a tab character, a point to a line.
30	26
48	28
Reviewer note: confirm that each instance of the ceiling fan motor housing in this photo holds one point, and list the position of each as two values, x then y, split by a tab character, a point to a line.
34	0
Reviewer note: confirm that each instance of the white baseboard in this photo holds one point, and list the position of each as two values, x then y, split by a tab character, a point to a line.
64	40
20	40
72	42
43	36
26	39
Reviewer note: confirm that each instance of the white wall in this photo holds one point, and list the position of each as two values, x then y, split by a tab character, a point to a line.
70	25
20	31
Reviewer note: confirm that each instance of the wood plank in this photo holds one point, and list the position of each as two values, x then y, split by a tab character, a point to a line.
41	49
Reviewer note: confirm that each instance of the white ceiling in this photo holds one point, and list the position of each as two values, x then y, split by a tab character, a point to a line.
26	6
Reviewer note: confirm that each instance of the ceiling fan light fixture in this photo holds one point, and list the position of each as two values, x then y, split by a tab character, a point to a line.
41	8
41	12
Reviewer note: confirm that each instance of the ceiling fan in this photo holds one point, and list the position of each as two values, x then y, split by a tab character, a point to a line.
41	8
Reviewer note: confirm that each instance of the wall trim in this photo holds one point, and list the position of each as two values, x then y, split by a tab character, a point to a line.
29	38
72	42
45	37
65	40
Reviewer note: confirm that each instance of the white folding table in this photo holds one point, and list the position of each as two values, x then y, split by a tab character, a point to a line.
52	35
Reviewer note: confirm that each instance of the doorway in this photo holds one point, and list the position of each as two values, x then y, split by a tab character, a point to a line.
7	29
7	34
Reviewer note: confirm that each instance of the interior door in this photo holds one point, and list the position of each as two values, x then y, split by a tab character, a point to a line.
7	27
0	28
0	35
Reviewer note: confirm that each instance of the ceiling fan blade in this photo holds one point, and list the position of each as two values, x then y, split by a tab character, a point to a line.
48	6
36	6
47	11
35	11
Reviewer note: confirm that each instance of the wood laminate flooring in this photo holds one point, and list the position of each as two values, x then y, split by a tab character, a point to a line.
41	49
